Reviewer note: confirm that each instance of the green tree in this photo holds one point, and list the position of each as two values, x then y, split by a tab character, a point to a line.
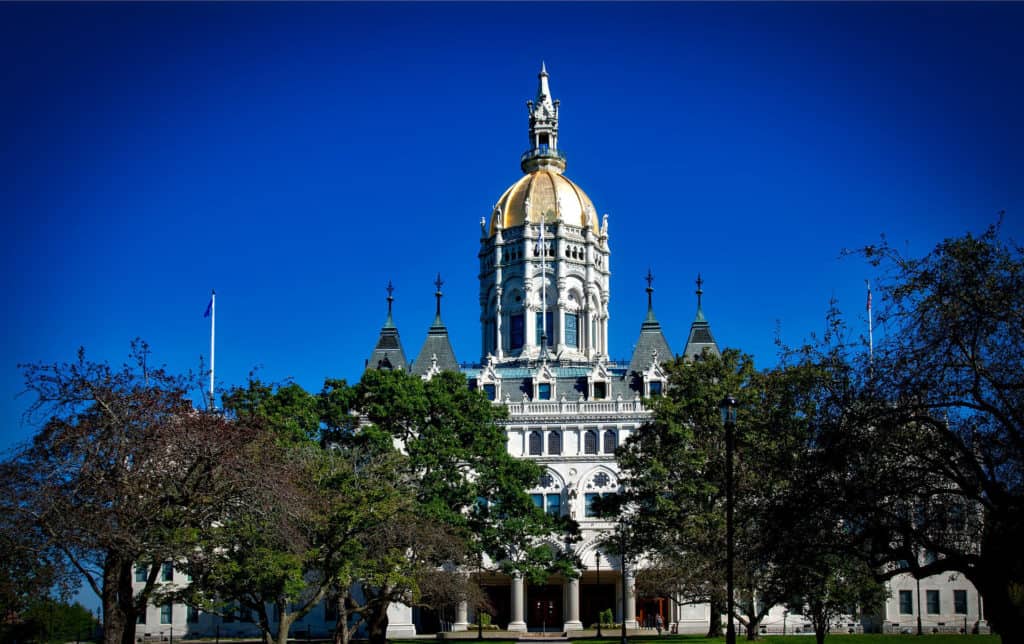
123	472
312	532
468	483
674	473
50	620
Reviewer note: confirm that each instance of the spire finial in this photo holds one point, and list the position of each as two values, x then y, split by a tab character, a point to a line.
390	289
438	283
650	290
543	68
700	292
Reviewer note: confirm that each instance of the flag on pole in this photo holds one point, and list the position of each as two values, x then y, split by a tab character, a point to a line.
869	299
209	306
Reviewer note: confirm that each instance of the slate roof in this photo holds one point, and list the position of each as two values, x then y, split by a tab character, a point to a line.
388	354
437	344
651	339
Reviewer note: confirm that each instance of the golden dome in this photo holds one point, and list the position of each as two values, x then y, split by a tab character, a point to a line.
551	195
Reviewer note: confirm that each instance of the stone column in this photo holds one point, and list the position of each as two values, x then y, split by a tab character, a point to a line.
630	601
461	617
572	606
518	600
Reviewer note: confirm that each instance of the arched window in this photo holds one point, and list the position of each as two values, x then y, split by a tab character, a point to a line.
610	441
536	444
590	442
555	443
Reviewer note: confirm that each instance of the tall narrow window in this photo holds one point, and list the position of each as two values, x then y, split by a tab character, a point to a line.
932	598
516	331
600	390
550	329
167	571
165	613
588	508
590	442
610	441
655	388
536	444
906	602
571	336
544	391
538	500
491	391
554	443
960	602
141	573
554	505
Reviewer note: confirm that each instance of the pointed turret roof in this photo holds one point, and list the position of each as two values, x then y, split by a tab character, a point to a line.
700	337
388	353
652	342
437	353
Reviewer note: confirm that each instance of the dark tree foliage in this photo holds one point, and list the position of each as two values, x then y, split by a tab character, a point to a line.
123	472
927	435
50	621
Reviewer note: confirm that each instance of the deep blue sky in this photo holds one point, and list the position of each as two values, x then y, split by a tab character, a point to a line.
298	156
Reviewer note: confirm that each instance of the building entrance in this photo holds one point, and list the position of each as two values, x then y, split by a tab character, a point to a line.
594	600
649	610
544	607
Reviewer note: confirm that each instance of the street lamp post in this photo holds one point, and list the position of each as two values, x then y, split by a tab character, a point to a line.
728	409
480	587
597	595
622	544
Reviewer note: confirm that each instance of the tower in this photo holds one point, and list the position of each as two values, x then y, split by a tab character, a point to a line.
544	257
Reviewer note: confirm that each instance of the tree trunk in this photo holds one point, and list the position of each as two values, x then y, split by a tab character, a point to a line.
126	595
285	623
715	622
1000	578
819	633
377	622
341	626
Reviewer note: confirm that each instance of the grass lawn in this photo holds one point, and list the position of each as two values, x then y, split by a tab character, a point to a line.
839	638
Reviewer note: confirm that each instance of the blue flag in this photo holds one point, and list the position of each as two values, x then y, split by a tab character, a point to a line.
209	306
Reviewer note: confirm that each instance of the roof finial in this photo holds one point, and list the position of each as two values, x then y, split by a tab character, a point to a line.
390	289
700	291
438	283
650	290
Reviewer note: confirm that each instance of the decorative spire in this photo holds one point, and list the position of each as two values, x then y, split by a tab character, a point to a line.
390	289
438	283
650	292
543	152
700	292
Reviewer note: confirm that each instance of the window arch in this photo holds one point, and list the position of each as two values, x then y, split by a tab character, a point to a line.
611	441
555	443
536	444
590	442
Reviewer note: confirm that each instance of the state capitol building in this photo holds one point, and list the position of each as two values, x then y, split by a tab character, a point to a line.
544	268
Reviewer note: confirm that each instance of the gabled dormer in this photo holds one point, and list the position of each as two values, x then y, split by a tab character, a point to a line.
599	383
544	383
489	381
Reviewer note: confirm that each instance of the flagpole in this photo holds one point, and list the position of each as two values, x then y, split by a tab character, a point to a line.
871	337
213	320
